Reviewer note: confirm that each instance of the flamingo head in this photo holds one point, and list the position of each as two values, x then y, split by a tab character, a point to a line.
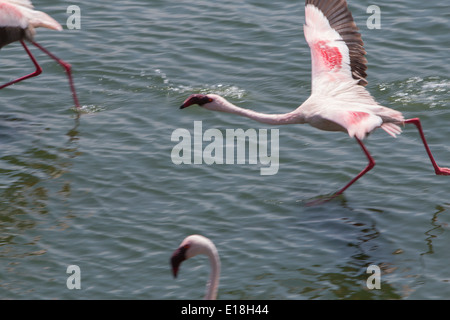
208	101
191	246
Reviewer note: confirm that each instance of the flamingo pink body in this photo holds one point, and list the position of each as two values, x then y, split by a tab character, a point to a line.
18	21
339	100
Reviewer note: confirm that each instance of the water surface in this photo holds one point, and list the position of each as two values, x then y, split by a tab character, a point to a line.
101	191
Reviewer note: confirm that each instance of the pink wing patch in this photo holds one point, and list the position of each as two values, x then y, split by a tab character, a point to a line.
357	116
360	123
331	56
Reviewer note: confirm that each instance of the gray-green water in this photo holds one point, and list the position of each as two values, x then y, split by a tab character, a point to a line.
102	192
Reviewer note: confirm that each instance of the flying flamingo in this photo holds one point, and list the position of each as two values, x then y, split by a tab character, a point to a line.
339	100
18	21
192	246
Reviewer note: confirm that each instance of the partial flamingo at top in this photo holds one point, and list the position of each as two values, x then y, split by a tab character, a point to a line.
339	100
18	21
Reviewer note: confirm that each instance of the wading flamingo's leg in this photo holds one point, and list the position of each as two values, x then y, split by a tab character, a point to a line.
66	67
33	74
438	170
363	172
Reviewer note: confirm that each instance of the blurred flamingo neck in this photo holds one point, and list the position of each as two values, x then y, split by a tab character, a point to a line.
213	282
274	119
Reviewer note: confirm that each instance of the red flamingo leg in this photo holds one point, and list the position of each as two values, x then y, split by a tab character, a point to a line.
33	74
363	172
438	170
66	66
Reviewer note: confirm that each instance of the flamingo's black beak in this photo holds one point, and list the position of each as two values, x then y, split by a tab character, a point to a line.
177	258
199	99
185	105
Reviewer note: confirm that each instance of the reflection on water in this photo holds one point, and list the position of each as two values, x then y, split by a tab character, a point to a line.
30	179
349	280
437	228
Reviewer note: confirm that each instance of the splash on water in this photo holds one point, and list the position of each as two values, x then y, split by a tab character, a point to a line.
161	82
88	109
432	91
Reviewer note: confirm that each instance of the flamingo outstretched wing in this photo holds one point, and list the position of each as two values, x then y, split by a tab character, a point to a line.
337	52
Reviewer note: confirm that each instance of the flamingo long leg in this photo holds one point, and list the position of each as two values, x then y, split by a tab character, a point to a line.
33	74
363	172
66	66
38	70
438	170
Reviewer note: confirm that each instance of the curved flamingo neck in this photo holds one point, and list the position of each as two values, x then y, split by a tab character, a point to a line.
214	276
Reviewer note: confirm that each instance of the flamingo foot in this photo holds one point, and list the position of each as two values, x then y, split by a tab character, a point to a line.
322	199
442	171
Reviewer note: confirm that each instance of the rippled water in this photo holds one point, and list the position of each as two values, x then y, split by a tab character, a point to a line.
100	191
